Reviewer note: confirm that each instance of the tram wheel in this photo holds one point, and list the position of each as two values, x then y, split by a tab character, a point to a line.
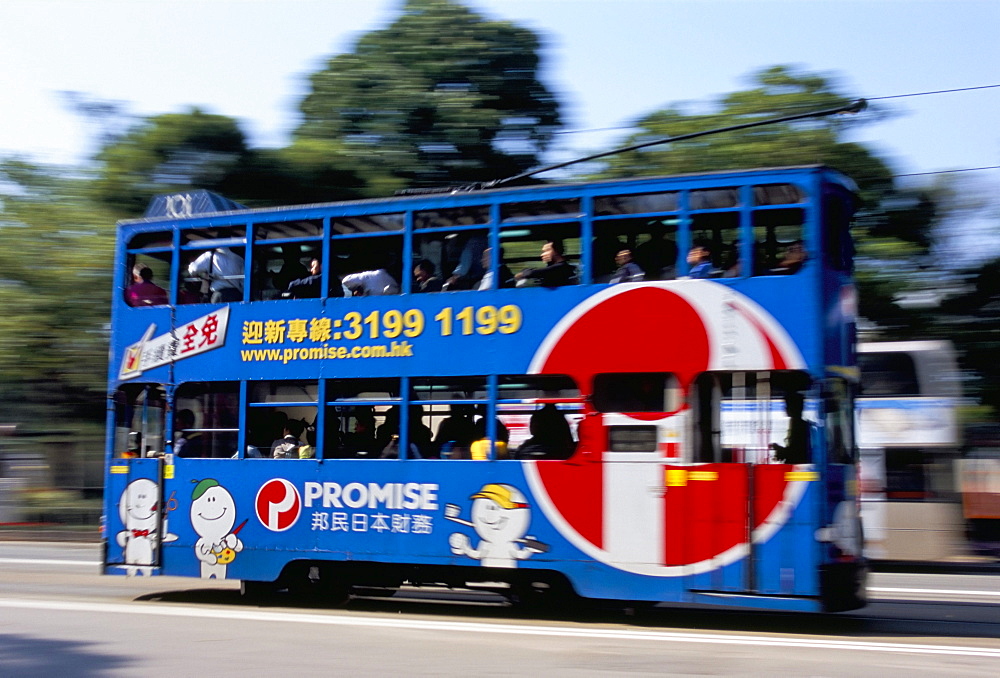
258	591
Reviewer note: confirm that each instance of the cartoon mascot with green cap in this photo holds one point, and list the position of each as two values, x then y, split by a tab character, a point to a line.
213	514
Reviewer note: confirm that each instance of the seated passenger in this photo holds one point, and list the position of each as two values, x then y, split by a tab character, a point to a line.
309	286
308	451
361	441
487	282
187	443
287	447
699	258
142	291
423	274
628	270
550	436
795	257
480	448
370	283
556	272
796	447
456	433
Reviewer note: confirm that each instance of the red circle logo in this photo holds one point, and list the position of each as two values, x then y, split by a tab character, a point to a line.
278	505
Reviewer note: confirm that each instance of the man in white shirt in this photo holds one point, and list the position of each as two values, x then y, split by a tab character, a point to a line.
224	268
370	283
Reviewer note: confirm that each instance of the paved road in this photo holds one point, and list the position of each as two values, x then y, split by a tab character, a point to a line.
58	617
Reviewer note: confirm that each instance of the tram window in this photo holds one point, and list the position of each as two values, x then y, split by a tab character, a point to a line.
838	410
714	198
778	194
543	431
456	258
632	438
275	267
139	420
277	406
455	216
720	232
214	272
653	243
368	266
357	411
206	419
778	241
752	417
636	392
539	210
283	252
523	251
144	276
609	205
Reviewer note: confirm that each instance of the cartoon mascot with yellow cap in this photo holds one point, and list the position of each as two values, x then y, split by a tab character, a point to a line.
500	516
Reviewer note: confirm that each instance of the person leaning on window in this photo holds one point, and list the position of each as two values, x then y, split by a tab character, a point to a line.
142	291
224	268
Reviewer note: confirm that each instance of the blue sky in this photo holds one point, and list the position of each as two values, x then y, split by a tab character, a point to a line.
609	61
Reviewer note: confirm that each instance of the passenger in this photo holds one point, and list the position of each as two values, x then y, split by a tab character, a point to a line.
309	286
190	292
469	270
142	291
550	436
426	281
291	268
795	257
308	451
796	447
556	272
503	434
628	270
605	247
657	257
361	442
699	258
456	433
420	436
287	447
187	442
224	269
480	448
506	277
370	283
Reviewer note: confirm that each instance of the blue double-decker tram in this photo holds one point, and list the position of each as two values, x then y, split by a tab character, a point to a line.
633	390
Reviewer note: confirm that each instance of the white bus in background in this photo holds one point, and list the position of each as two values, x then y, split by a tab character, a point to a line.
909	441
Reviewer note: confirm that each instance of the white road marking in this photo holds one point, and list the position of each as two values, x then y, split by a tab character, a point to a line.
42	561
496	628
942	592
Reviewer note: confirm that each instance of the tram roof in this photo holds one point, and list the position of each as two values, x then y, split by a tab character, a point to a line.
465	195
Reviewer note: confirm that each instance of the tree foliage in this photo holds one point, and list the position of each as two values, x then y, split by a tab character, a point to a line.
55	284
441	95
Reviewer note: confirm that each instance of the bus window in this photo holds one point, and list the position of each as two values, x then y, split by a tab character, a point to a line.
714	198
283	253
278	415
532	433
212	262
837	242
455	257
778	241
356	414
652	241
636	392
543	256
139	412
144	272
720	233
540	210
752	417
609	205
778	194
206	419
367	267
453	409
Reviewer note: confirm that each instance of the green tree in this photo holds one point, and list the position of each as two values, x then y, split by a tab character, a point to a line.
55	287
441	95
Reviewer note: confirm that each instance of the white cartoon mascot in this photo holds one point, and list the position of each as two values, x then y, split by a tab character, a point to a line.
138	507
500	516
213	513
